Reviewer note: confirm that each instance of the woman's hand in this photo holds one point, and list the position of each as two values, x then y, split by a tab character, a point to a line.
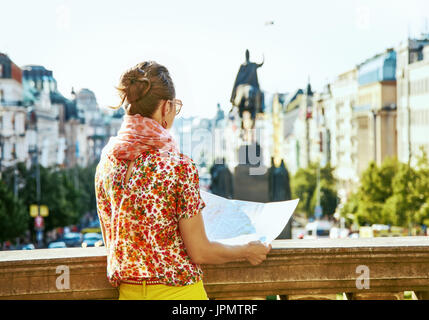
257	252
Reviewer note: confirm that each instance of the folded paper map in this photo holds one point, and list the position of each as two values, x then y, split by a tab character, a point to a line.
239	222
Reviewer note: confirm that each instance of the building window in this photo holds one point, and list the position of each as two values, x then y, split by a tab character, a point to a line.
420	86
420	117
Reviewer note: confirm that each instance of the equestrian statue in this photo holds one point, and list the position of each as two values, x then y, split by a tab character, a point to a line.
246	94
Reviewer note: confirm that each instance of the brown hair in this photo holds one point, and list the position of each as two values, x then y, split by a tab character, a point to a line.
143	86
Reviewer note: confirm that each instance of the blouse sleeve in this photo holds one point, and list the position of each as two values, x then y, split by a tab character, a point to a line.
189	201
104	209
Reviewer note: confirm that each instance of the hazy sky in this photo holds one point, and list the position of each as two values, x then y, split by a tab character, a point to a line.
88	44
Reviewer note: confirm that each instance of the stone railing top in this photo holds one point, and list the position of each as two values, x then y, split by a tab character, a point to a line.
62	253
352	243
282	245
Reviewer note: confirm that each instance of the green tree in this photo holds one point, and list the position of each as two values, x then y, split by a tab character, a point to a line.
422	188
14	216
68	193
328	198
60	197
401	206
304	187
407	206
375	189
393	193
87	188
58	193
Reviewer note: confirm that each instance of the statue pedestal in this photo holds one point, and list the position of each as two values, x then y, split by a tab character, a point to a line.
251	176
250	187
279	186
253	182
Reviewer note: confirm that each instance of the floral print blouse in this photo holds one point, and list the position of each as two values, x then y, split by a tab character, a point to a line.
140	218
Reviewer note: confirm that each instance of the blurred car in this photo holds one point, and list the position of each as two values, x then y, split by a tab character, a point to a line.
338	233
397	231
92	240
57	244
72	239
317	229
354	235
93	227
380	230
366	232
29	246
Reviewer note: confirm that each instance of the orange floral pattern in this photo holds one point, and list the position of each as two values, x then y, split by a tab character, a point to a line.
140	218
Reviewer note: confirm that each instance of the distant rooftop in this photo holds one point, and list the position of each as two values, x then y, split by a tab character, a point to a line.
381	67
36	71
8	69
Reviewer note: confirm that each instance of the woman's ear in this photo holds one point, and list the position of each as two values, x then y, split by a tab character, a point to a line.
166	108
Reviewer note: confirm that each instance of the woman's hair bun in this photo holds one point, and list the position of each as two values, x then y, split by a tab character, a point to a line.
135	85
143	86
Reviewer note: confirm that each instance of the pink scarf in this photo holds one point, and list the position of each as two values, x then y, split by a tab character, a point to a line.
138	134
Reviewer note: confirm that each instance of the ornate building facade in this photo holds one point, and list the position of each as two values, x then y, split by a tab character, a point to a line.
412	73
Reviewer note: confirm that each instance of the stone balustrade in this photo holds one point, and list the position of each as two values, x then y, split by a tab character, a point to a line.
294	269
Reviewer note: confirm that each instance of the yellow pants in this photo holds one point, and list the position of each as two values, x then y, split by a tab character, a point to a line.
162	292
